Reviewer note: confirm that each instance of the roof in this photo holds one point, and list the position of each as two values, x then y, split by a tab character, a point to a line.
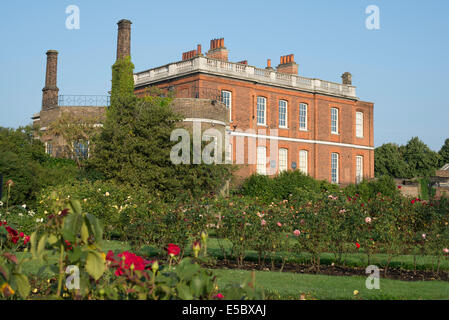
445	167
442	173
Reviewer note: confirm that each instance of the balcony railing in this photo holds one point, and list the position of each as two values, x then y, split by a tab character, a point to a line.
83	101
242	71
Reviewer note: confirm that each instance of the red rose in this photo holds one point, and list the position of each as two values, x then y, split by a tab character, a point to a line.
357	245
173	249
26	240
219	296
399	187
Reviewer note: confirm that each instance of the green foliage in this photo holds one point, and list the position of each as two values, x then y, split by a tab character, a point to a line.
285	185
444	153
75	238
134	145
122	80
421	160
118	206
25	162
415	159
389	161
368	189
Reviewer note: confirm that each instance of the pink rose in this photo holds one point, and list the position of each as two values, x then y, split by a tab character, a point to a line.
263	222
368	220
297	232
279	224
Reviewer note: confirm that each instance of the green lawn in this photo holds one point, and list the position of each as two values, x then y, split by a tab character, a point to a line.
290	286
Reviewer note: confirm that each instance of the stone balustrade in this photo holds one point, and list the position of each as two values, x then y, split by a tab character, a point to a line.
244	72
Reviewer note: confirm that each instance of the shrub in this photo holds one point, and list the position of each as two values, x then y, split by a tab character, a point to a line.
287	184
369	189
115	205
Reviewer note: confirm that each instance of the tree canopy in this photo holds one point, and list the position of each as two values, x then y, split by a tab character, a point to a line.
415	159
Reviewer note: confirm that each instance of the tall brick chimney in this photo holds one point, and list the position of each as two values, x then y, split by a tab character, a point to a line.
50	91
347	78
288	65
124	39
218	50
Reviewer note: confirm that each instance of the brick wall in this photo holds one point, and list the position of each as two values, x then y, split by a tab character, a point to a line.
244	100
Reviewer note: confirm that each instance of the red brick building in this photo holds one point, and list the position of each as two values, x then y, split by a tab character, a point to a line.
320	127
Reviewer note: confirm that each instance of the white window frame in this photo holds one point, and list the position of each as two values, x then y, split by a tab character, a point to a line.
283	104
359	169
283	160
261	112
261	165
230	151
49	148
303	161
334	120
359	124
227	101
303	124
334	167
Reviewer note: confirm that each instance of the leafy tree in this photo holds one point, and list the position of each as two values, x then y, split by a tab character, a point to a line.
134	145
444	153
25	162
422	161
388	161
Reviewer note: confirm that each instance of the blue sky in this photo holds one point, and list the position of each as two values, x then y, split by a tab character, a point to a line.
403	67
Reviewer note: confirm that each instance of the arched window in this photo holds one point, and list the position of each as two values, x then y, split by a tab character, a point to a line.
303	161
283	160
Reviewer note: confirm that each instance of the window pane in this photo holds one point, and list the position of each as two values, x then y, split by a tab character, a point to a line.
283	160
226	98
302	116
261	105
359	124
359	169
261	160
334	167
282	113
303	159
82	149
334	120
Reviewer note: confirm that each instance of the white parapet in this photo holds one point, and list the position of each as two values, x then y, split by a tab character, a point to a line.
244	72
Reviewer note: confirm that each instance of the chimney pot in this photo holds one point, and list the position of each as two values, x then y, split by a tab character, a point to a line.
198	49
269	63
347	78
